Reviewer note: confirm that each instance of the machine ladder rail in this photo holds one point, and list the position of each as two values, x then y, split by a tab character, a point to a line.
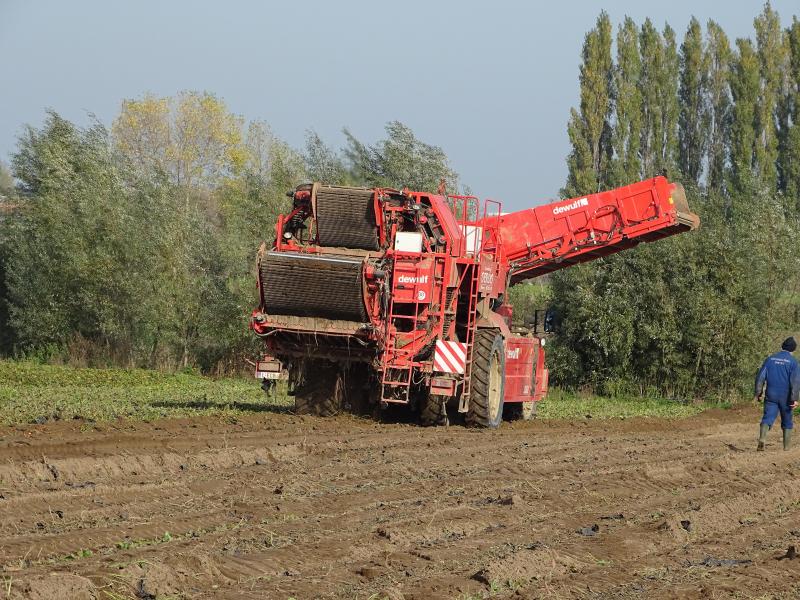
397	364
472	314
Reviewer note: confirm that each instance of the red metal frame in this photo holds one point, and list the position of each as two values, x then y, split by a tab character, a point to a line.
557	235
470	254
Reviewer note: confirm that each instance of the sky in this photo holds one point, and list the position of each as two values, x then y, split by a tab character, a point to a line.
492	83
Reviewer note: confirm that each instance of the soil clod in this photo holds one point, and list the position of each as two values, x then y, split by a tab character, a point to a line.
710	561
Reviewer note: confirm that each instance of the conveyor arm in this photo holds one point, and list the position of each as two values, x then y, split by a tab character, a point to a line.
554	236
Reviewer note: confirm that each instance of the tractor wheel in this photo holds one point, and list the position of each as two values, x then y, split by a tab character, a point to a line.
487	380
319	390
360	389
433	410
520	411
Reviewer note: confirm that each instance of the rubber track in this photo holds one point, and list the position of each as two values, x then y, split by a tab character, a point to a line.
312	286
346	218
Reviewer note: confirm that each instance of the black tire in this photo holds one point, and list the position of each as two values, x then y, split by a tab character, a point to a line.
487	380
360	389
433	410
520	411
319	389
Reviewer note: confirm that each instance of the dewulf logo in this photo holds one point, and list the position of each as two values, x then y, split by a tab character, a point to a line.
571	206
512	354
423	279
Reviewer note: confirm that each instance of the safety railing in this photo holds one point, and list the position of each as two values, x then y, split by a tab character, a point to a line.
480	228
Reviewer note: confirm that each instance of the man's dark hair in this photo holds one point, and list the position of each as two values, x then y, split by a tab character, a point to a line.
789	344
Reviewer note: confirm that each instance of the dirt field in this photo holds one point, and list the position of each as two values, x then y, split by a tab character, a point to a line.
278	506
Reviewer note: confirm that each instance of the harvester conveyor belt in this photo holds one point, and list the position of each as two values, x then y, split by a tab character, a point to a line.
346	218
313	286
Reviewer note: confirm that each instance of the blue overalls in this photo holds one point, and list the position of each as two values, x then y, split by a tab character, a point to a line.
782	376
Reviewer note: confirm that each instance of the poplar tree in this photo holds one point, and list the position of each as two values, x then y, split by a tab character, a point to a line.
729	290
628	123
589	128
771	61
745	84
693	122
717	61
651	47
789	159
658	82
667	84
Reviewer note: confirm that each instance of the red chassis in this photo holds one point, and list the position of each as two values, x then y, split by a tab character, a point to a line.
412	287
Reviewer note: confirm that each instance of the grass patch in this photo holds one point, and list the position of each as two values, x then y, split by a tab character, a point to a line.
31	392
561	404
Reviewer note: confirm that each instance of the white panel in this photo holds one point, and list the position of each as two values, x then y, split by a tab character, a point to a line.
268	374
408	241
473	235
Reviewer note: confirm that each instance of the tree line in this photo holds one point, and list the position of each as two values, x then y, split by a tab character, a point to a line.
135	245
692	315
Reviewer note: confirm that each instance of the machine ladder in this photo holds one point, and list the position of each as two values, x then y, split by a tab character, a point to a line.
472	317
398	364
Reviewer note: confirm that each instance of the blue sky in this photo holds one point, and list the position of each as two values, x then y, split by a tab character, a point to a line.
490	82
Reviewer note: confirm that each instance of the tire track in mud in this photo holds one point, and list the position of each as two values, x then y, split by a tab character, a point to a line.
277	506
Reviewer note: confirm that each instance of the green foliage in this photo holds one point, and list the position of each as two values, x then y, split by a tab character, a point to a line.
323	163
7	337
789	150
8	205
589	128
526	298
627	128
78	261
248	208
694	116
400	160
137	247
113	259
658	82
717	61
31	391
772	59
563	404
692	316
745	84
7	190
191	138
667	147
687	316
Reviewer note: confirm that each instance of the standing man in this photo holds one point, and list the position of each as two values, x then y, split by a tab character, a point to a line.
781	375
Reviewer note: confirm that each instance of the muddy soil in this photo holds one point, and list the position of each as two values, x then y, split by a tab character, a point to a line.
280	506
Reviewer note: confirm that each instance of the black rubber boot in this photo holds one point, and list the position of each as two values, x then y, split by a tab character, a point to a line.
787	439
762	437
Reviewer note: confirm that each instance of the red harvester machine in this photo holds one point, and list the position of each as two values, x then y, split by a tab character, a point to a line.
372	297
